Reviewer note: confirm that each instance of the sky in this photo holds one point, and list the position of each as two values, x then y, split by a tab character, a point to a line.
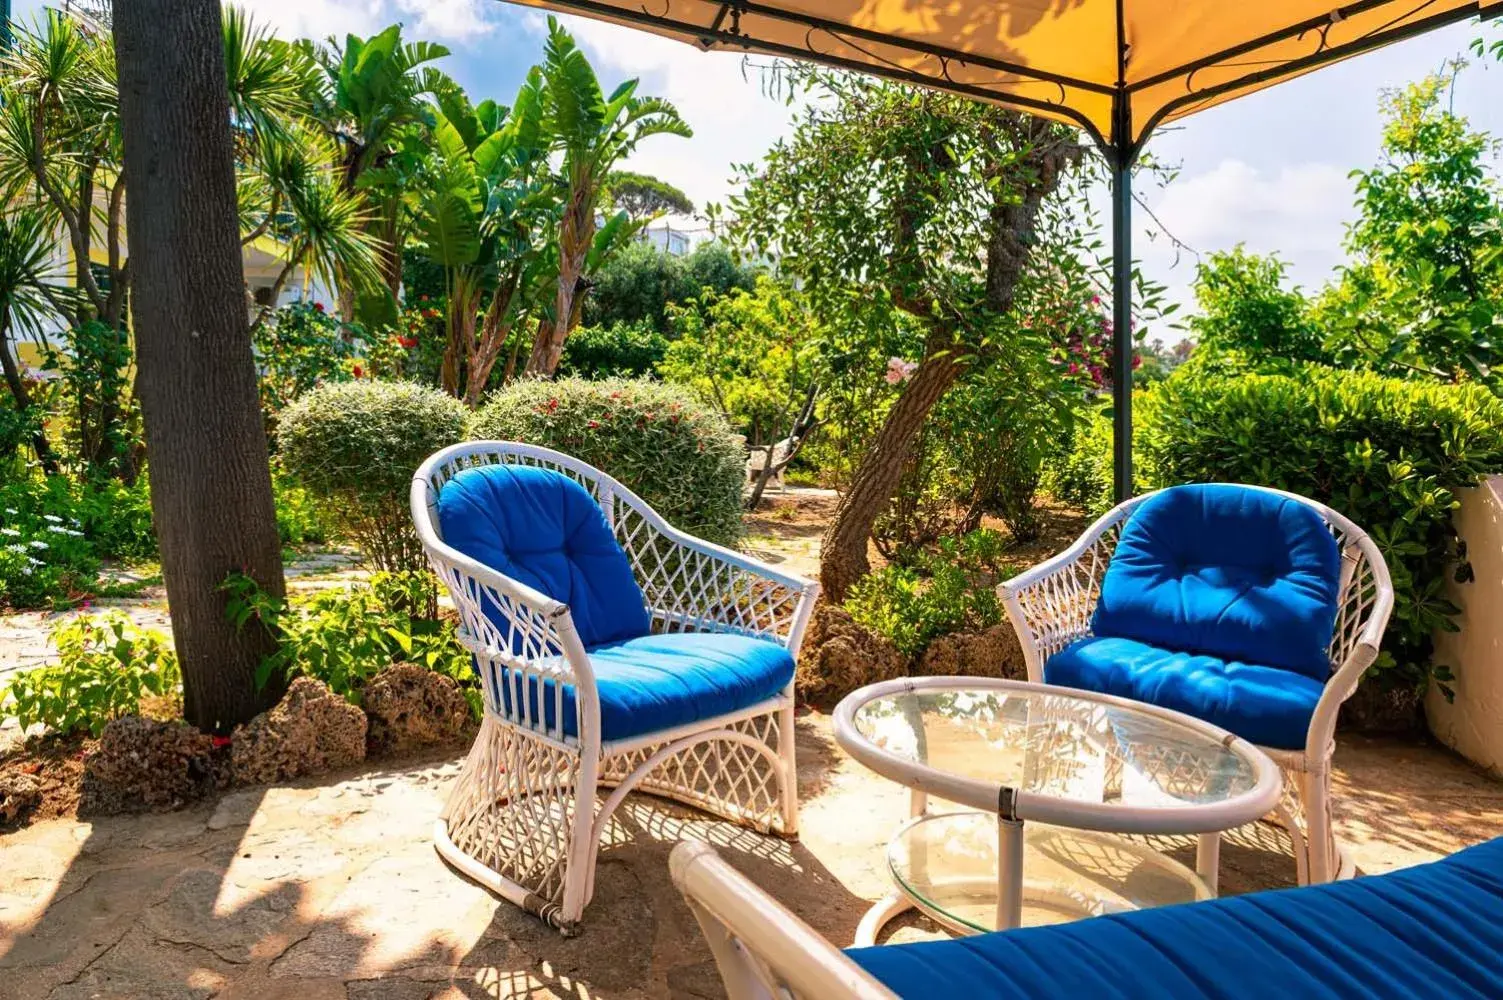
1270	170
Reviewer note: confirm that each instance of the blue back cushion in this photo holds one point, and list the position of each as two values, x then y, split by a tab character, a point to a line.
1226	571
542	528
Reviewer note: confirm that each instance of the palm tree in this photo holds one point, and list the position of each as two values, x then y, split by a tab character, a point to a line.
321	226
592	132
368	93
484	206
32	289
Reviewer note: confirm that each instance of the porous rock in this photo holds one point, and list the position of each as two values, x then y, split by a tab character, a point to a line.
992	653
310	731
411	706
840	655
19	795
147	765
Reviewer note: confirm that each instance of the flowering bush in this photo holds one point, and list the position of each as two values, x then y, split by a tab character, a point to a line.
54	531
672	451
412	350
302	346
105	666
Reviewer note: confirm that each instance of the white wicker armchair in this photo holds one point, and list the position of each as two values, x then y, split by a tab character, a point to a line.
523	819
1051	606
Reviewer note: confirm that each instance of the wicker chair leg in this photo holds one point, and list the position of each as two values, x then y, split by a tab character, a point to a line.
506	824
788	771
1320	841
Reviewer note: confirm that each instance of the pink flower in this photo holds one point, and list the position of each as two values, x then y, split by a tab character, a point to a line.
899	370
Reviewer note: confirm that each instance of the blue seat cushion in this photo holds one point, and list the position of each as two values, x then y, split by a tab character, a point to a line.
1264	705
545	530
657	682
1228	571
1433	931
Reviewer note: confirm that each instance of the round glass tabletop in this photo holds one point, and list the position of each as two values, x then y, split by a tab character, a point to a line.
1058	755
947	865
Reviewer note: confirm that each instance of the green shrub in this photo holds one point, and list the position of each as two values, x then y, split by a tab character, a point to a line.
1080	474
950	590
625	349
355	446
105	666
300	520
346	636
1385	452
673	452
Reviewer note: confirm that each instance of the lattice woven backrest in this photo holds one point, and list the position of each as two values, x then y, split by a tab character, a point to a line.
1058	610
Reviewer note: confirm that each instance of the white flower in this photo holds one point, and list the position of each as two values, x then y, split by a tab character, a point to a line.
53	518
11	532
26	570
57	529
72	534
18	547
33	562
11	510
37	543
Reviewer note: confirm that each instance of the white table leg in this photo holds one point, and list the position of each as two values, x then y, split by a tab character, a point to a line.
1208	860
884	910
1009	873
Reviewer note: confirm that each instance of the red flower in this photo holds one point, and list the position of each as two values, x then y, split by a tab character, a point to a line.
219	742
593	424
407	342
358	371
319	306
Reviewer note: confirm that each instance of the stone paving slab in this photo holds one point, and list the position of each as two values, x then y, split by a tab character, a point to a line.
333	891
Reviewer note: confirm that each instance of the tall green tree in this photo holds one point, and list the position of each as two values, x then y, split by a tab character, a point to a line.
369	93
897	200
644	198
1423	294
591	133
1247	308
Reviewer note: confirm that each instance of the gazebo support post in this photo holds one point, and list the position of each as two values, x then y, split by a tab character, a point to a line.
1120	156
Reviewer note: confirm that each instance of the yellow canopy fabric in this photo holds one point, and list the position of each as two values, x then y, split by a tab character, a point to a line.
1116	68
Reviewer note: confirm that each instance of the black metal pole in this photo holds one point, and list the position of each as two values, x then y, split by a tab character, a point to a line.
1122	340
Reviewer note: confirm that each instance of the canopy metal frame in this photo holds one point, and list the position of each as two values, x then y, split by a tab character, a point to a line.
1121	148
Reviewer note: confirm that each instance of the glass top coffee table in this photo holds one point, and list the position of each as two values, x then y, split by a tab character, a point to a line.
1050	776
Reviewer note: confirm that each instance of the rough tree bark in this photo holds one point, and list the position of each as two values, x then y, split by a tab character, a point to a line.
210	481
575	235
1011	220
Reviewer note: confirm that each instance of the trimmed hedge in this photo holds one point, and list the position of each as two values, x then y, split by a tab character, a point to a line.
675	453
1388	453
355	445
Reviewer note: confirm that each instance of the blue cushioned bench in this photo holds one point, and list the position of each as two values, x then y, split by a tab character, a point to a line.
1433	932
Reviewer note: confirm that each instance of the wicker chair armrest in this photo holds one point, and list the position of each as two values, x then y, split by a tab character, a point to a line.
707	588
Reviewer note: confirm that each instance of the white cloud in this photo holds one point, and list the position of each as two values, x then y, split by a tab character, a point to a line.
452	22
1298	211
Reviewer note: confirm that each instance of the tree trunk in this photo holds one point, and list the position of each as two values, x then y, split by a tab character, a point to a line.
842	558
576	232
210	479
